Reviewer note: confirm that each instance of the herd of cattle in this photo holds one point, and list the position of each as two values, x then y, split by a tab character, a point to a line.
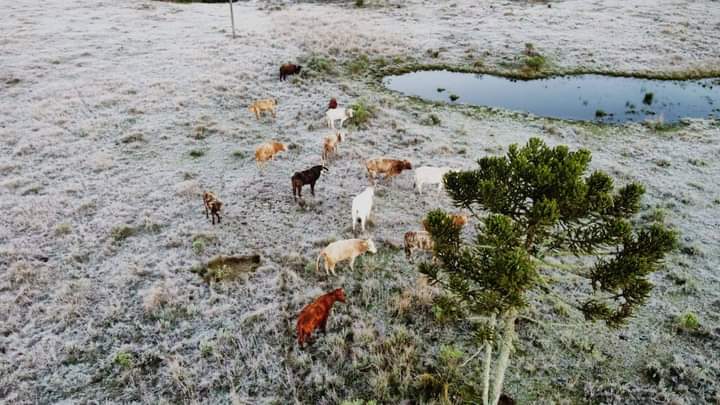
316	313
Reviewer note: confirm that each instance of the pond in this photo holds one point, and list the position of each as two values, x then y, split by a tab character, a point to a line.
579	97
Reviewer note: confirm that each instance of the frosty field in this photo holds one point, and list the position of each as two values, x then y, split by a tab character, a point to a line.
116	116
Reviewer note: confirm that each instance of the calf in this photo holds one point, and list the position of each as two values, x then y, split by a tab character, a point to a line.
332	104
259	106
388	167
334	114
309	176
430	175
417	240
330	145
289	69
212	206
361	207
458	219
344	250
267	151
316	314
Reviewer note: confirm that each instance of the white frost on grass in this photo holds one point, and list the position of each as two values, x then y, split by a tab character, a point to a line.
79	77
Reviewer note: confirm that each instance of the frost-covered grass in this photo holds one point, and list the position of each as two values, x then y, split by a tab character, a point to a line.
103	218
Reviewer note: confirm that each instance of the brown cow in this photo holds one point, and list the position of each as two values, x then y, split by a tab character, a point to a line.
332	104
388	167
212	206
316	314
289	69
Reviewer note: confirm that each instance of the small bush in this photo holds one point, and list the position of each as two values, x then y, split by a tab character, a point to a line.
198	246
688	321
440	89
600	113
431	120
63	229
240	154
359	3
454	97
124	360
536	62
196	153
359	65
121	232
361	114
320	65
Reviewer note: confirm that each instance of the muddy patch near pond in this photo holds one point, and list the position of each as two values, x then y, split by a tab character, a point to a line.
578	97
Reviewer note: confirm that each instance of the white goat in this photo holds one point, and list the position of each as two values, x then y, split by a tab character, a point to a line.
361	207
344	250
334	114
431	175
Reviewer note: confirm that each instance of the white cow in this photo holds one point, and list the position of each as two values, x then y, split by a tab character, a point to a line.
334	114
361	207
431	175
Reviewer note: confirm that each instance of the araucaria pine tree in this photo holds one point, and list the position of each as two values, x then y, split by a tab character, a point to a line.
531	204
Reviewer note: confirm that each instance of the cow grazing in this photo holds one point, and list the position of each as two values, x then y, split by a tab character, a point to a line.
289	69
344	250
361	207
212	206
388	167
330	146
333	104
458	219
316	314
267	151
430	175
260	106
417	240
334	114
309	176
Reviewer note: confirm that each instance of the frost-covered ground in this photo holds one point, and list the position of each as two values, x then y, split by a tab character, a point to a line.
102	103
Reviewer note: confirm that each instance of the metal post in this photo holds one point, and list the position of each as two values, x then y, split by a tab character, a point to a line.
232	18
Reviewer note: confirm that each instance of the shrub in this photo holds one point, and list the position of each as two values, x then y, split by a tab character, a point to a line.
688	321
431	120
124	360
535	62
121	232
359	65
320	65
359	3
196	153
454	97
361	114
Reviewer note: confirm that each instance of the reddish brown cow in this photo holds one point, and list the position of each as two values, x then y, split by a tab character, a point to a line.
332	104
315	314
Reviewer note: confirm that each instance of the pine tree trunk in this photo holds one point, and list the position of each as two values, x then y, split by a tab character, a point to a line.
488	360
504	357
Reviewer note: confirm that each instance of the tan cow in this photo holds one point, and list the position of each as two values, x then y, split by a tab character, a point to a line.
267	151
258	107
347	249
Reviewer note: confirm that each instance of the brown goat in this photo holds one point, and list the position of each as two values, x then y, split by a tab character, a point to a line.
212	206
388	167
316	314
267	151
330	146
